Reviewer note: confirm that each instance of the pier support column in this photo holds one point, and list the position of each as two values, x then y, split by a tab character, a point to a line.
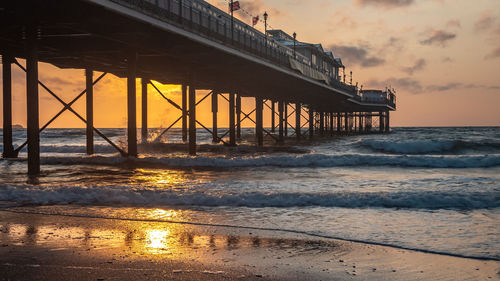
144	111
298	109
339	122
33	125
232	129
352	120
259	121
89	78
273	115
332	122
8	148
346	122
131	104
238	117
192	118
327	122
311	123
355	120
285	117
381	121
321	123
215	109
280	121
387	123
184	114
369	121
361	120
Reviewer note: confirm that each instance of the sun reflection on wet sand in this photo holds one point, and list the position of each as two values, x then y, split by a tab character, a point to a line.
156	240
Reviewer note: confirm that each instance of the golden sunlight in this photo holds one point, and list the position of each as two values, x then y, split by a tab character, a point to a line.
166	179
156	239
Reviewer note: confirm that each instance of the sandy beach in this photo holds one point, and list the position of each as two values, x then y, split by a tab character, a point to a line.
54	247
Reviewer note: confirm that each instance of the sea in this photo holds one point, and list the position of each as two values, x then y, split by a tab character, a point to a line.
429	189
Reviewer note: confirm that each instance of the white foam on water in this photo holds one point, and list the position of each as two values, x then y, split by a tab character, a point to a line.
430	146
303	160
122	195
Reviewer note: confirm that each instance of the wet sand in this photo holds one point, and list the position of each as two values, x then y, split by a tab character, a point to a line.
53	247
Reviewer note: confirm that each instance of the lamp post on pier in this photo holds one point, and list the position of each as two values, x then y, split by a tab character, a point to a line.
232	22
294	45
265	28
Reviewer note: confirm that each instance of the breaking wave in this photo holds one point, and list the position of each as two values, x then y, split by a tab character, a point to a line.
98	148
287	161
134	196
430	147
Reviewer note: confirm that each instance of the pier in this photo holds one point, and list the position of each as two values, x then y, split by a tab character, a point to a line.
183	42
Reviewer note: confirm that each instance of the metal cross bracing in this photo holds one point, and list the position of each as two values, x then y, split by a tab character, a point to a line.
283	120
258	111
184	112
68	107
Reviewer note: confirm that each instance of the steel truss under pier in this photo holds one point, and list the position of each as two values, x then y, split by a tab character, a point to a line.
131	40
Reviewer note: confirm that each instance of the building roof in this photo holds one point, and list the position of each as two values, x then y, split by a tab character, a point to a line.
339	62
279	34
287	40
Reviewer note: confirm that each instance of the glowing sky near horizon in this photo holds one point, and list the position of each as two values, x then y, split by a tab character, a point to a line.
442	56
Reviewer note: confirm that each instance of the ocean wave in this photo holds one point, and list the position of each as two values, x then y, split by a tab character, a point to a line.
430	147
288	161
133	196
98	148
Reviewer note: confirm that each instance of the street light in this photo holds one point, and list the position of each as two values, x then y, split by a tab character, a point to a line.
265	27
232	22
294	44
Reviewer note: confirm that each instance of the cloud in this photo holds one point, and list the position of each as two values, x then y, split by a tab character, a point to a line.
342	20
413	86
404	84
249	9
356	55
493	54
438	37
444	87
447	59
484	22
457	85
56	81
454	23
394	45
385	3
419	65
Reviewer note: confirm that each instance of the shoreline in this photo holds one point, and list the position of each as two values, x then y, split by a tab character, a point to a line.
48	247
277	230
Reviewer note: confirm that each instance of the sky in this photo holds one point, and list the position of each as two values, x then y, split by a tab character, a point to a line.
441	56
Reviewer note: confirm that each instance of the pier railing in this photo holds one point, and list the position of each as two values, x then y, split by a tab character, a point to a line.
201	18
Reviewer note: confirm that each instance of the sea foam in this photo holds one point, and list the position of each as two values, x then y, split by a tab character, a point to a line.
431	147
305	160
122	195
